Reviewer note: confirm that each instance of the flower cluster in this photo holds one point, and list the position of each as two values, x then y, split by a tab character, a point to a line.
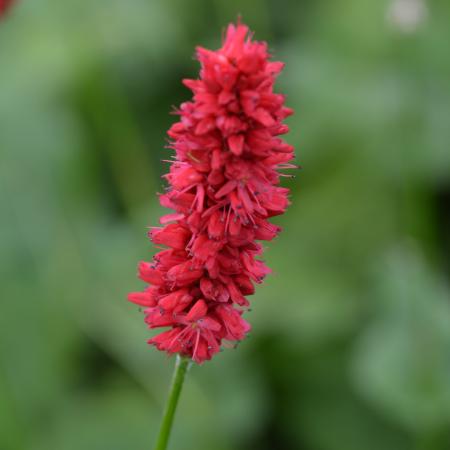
223	187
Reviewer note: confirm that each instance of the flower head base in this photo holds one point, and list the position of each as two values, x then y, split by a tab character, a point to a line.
224	185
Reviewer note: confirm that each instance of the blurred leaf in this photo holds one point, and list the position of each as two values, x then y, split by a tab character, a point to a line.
401	361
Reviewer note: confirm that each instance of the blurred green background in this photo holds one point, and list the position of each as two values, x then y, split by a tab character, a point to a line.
350	347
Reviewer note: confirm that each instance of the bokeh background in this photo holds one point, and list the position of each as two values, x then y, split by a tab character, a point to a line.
350	347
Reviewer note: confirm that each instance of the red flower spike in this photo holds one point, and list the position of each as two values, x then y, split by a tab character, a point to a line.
224	185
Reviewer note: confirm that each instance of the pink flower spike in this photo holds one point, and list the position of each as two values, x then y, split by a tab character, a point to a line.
223	189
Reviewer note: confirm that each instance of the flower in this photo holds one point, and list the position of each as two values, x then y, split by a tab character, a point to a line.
224	186
4	5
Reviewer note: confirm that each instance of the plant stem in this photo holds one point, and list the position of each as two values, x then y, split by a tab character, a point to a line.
181	368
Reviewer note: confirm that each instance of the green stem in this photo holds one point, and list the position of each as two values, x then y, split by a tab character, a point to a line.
181	368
